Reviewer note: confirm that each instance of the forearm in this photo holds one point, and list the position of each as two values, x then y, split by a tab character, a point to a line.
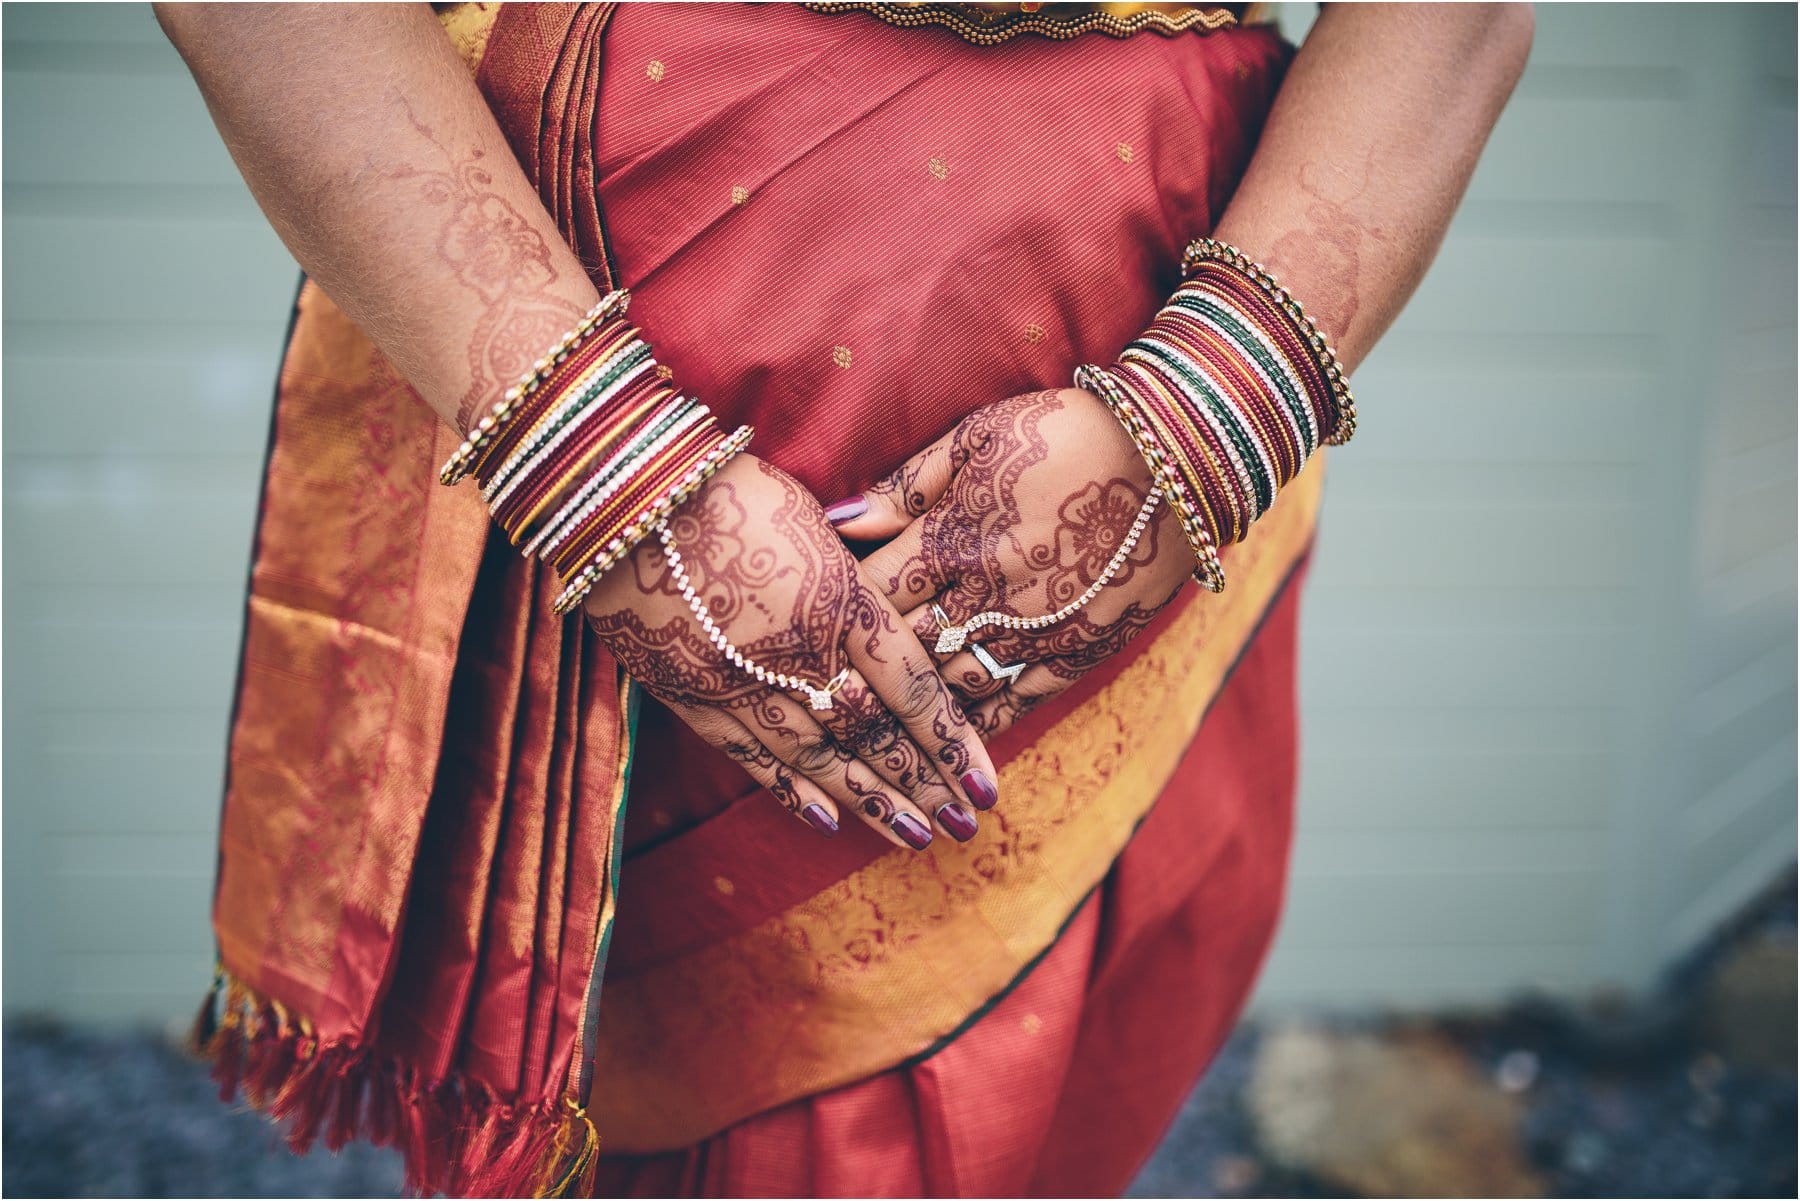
375	157
1367	152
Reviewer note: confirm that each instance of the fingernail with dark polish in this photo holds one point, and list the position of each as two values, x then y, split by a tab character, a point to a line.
981	789
848	509
911	830
959	821
818	819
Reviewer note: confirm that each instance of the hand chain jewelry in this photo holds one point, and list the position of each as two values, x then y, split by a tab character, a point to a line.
952	637
819	698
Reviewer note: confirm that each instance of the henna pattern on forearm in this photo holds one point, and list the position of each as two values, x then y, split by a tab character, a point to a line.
1331	249
497	254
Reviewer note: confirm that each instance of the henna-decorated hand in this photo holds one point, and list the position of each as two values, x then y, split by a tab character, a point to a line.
1019	509
893	747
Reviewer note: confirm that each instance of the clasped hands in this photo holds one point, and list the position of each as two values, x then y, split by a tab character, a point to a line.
1018	509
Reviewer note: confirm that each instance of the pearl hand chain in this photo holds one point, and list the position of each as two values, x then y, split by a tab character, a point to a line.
952	637
819	698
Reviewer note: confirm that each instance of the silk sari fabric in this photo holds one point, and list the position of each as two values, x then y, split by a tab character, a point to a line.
850	236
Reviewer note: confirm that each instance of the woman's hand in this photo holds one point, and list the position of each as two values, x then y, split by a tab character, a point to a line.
894	748
1019	509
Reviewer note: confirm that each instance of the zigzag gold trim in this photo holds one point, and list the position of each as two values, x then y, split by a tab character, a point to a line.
987	28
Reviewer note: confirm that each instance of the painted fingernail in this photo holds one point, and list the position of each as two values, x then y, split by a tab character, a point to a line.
848	509
959	821
981	789
818	819
911	830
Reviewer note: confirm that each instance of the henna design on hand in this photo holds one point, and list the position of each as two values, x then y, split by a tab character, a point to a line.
961	545
1090	526
1031	519
786	591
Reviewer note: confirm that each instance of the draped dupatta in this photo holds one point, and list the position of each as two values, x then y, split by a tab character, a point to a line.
426	779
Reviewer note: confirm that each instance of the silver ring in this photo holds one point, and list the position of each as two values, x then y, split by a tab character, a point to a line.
989	664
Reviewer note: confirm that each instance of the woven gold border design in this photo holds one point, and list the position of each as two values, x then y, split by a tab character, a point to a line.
990	28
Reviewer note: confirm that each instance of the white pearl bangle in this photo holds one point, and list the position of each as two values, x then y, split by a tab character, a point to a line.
951	638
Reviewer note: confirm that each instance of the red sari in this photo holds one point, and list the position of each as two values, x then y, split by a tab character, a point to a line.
849	235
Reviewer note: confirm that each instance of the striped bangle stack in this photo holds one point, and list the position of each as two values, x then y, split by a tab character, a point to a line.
1226	395
592	450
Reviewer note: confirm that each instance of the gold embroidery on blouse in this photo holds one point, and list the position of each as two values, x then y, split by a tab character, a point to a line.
840	355
1123	150
655	70
938	168
988	24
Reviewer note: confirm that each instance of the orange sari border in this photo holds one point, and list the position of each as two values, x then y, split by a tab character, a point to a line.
891	960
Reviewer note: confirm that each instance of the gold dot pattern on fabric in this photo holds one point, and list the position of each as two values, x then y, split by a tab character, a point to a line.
655	70
1031	1023
840	355
739	194
1034	333
938	167
1123	150
664	371
723	885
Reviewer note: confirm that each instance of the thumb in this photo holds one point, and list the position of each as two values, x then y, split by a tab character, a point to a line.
883	510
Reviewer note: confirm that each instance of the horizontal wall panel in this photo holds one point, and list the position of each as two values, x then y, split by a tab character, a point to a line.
1422	855
120	404
1402	785
187	666
171	792
1360	977
113	911
110	128
1600	150
1442	547
1553	669
118	271
1394	910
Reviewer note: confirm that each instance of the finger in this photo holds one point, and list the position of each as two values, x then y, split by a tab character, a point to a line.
899	500
901	673
1000	713
897	570
798	795
930	619
862	724
787	729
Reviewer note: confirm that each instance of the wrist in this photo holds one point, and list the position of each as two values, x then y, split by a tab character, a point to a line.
590	452
644	561
1106	443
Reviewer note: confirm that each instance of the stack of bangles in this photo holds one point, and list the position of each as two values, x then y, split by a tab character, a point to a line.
1225	396
591	451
